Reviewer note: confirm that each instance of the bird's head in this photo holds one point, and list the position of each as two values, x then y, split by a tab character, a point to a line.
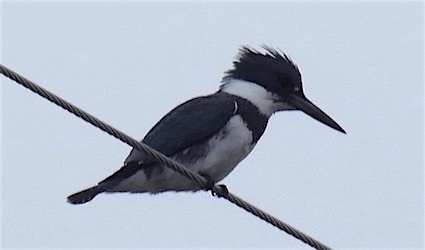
271	81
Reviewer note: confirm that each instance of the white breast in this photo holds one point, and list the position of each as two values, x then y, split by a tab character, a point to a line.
226	150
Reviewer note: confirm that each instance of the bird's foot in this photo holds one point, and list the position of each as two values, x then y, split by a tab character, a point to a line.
220	191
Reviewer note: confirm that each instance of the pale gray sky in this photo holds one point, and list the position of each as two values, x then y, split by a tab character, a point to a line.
130	63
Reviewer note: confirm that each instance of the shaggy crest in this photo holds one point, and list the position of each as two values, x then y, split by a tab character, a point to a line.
266	69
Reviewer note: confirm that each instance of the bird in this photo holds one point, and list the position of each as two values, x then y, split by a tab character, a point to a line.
211	134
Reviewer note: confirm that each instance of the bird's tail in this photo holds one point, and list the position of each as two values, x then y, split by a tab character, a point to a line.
86	195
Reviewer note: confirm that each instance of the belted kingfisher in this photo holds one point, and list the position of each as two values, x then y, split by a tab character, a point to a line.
212	134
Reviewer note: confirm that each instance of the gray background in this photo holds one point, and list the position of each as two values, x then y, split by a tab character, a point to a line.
129	63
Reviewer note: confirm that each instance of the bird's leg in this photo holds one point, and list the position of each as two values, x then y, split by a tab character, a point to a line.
210	183
221	192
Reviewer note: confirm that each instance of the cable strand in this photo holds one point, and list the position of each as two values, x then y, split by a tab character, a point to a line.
160	158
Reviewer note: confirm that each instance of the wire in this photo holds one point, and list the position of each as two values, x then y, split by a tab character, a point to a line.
216	189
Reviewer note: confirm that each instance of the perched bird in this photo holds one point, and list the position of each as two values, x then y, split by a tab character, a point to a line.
212	134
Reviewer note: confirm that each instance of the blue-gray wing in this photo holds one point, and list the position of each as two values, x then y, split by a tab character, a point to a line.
186	125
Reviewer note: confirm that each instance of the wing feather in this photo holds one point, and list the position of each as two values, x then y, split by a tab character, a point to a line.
188	124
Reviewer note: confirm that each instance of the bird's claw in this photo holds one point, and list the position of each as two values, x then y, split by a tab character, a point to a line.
220	192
